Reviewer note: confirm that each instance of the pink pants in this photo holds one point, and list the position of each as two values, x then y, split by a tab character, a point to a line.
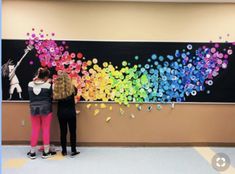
39	122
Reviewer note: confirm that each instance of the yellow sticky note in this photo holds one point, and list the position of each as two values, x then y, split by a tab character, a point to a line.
121	111
102	106
15	163
110	108
88	106
108	119
58	156
96	112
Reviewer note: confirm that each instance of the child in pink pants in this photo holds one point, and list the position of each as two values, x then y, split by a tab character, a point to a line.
40	96
39	122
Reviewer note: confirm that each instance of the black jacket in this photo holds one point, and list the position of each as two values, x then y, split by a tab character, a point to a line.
66	107
40	96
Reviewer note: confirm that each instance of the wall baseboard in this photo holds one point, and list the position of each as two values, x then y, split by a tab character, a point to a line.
133	144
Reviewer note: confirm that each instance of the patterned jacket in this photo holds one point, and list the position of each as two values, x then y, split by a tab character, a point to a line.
40	96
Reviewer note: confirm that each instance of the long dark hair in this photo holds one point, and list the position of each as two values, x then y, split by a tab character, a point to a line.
5	69
43	73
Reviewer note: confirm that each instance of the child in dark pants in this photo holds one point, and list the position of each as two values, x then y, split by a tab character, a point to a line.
64	92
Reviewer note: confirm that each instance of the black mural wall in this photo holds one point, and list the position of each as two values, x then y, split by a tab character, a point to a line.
222	90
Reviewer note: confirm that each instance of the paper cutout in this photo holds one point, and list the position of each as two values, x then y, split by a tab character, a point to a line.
163	78
56	157
172	105
121	111
108	119
15	163
102	106
88	106
96	112
159	107
150	108
132	116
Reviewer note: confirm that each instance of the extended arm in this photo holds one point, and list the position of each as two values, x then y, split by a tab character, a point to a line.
26	51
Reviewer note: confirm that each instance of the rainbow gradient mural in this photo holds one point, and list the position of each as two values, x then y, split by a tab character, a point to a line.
161	78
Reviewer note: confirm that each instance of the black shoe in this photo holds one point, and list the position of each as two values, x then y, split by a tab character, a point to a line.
73	154
48	155
31	155
53	153
64	153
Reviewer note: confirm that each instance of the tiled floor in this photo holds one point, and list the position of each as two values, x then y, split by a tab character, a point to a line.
117	160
